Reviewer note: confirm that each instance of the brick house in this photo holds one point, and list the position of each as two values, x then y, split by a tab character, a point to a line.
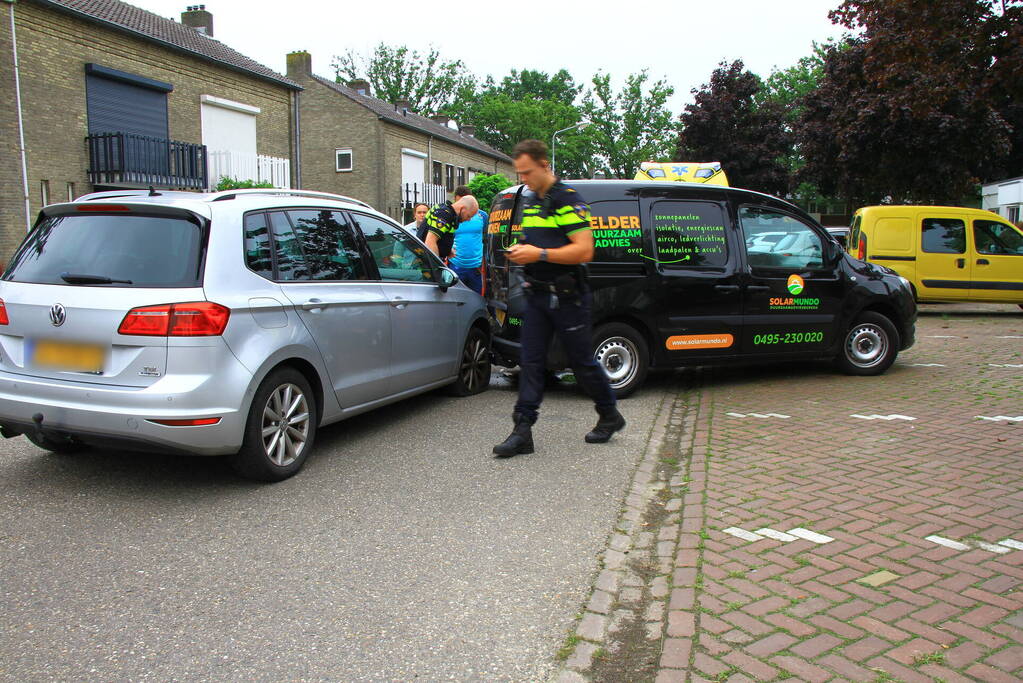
107	95
380	152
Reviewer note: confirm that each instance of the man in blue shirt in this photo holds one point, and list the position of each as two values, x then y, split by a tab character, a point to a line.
467	257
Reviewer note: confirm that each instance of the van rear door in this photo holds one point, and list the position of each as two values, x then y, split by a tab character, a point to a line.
695	293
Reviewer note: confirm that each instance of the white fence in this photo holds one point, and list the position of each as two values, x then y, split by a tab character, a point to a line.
250	167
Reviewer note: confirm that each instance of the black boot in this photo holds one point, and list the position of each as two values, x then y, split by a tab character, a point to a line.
610	422
520	441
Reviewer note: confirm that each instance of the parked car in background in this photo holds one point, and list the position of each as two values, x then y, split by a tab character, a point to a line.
841	234
947	253
233	323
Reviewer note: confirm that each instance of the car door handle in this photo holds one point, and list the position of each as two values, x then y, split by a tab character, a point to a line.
313	305
398	302
960	263
757	288
983	262
727	288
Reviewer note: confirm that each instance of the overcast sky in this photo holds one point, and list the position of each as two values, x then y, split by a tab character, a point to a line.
678	40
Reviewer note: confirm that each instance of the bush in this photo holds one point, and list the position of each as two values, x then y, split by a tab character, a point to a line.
235	184
484	187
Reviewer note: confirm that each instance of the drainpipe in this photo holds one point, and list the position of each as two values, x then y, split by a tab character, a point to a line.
297	139
21	122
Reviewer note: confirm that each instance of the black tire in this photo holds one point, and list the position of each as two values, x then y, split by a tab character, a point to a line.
278	455
623	354
870	345
473	365
61	446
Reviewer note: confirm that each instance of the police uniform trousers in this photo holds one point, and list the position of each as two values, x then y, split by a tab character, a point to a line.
570	320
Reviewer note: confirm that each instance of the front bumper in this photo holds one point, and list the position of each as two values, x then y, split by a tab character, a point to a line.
119	416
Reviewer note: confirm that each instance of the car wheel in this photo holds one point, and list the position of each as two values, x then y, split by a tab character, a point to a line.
623	354
56	445
870	345
280	430
473	365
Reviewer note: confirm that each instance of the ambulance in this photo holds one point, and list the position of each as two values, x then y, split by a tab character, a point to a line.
709	173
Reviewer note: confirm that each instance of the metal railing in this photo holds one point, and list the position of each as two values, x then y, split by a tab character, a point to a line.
130	159
413	193
257	167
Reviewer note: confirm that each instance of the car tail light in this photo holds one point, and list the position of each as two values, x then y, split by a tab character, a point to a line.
196	319
3	313
861	250
202	421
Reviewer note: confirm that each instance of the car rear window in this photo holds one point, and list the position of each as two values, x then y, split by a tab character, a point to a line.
131	250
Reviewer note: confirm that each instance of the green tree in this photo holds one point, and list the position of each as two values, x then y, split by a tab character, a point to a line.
726	123
426	81
630	126
904	113
789	86
527	104
484	187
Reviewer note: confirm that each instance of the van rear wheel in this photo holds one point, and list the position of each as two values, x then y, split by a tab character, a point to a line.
622	353
870	346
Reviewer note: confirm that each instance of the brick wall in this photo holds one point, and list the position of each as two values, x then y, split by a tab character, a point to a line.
53	49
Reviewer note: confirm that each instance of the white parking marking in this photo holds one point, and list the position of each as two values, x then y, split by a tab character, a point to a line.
743	534
948	543
942	336
777	535
784	417
924	365
1010	543
1010	336
800	532
1006	365
999	418
884	417
1001	550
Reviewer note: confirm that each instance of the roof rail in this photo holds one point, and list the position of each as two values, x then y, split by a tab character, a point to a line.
231	194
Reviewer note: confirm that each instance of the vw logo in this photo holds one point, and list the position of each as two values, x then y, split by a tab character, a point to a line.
57	314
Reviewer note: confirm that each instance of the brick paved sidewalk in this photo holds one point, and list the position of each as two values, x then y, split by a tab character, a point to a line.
771	533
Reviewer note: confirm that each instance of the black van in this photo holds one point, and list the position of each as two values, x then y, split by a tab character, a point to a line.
687	274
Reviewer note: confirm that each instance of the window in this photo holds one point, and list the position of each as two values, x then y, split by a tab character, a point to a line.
71	192
438	173
688	234
138	250
994	238
1012	213
398	256
617	235
944	236
328	243
777	240
258	255
343	159
44	191
309	244
449	177
460	179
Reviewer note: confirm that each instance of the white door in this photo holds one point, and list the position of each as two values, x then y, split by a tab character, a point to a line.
229	133
413	174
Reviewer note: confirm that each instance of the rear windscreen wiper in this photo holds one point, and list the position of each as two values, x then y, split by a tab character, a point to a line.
77	279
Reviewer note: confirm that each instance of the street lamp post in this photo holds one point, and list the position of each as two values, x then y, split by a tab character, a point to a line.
554	139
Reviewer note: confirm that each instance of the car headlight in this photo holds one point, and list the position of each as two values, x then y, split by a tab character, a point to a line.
905	283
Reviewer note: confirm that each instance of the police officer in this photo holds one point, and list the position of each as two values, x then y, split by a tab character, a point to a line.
438	228
556	241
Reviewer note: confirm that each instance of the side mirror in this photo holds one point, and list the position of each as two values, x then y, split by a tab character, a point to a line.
447	279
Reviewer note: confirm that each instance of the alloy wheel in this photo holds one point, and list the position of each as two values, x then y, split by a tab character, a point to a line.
285	424
475	368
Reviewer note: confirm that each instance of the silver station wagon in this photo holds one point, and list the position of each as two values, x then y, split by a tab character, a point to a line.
232	323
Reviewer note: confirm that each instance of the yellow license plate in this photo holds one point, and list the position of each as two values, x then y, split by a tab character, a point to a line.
65	356
501	315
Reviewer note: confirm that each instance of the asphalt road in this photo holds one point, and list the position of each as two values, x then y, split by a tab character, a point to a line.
402	551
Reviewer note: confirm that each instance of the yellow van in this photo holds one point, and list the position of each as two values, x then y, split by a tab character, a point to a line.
709	172
947	253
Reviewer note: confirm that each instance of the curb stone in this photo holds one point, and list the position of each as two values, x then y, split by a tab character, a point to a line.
621	595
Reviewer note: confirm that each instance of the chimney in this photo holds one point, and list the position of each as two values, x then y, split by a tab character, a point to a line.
441	119
300	65
469	130
198	18
402	106
359	85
